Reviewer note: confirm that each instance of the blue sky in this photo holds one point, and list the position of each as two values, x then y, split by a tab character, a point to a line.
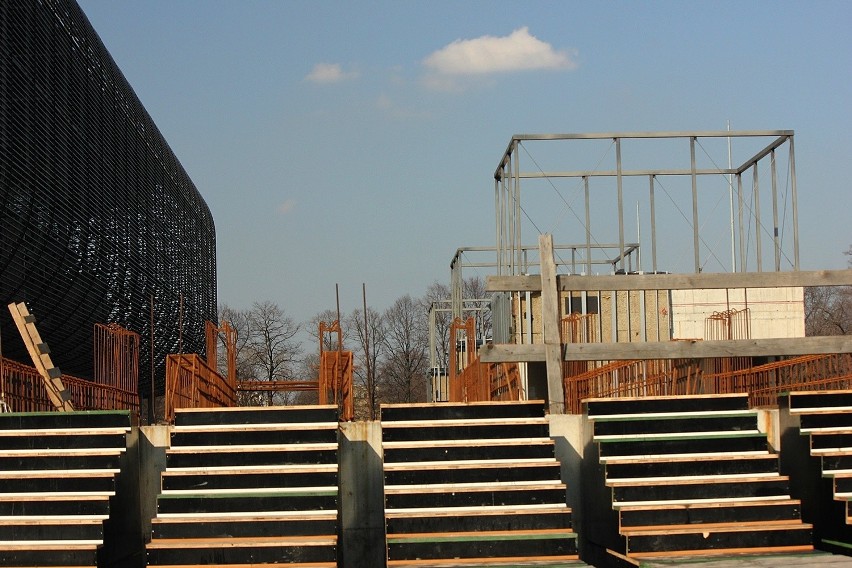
350	142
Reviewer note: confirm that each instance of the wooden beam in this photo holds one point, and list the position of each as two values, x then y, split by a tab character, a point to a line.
673	349
40	354
550	321
675	281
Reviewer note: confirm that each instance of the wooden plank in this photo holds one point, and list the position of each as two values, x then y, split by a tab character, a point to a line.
692	349
471	487
705	281
552	327
56	391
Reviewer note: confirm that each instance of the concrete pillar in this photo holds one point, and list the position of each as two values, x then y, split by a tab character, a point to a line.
361	495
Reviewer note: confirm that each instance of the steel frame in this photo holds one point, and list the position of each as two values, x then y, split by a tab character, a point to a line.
508	180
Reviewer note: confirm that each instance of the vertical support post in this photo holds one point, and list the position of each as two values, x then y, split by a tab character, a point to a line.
517	242
756	190
619	181
795	204
497	220
588	228
651	183
740	207
550	323
695	239
775	237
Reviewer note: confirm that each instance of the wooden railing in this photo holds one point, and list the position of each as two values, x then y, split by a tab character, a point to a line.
23	391
192	383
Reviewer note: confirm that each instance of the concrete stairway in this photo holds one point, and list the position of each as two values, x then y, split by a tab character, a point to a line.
57	475
248	486
822	468
693	476
473	485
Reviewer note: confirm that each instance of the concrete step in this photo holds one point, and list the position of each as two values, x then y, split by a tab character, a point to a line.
69	460
450	411
41	529
472	520
765	511
64	420
468	450
819	402
833	440
675	424
291	551
721	539
245	526
255	415
251	456
403	431
726	464
825	422
472	472
55	554
229	479
701	489
554	544
82	439
306	499
598	407
58	481
681	444
53	504
408	498
242	435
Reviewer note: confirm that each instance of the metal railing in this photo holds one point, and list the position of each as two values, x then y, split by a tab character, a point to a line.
23	391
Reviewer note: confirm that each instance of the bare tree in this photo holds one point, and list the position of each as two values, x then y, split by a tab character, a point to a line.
406	362
437	298
239	320
273	345
828	309
370	350
473	290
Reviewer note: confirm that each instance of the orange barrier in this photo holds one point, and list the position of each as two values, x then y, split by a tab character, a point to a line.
192	383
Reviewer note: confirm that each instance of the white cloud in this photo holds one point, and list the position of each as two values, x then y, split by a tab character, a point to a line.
286	206
327	73
519	51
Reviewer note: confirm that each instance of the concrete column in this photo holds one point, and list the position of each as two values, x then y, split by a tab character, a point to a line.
361	495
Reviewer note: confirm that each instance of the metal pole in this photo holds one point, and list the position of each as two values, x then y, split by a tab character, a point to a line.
620	202
588	228
153	400
497	222
695	240
517	243
731	201
795	203
756	190
741	235
776	239
651	183
370	386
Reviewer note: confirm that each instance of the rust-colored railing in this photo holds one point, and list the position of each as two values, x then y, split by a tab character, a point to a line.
335	382
192	383
23	391
763	383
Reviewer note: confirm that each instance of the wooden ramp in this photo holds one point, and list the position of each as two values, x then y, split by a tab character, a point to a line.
473	485
249	486
693	476
824	462
57	475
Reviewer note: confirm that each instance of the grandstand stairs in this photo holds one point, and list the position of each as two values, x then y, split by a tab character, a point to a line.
690	477
818	454
58	473
249	486
474	485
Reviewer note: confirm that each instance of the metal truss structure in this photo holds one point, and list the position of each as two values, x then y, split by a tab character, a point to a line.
99	222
